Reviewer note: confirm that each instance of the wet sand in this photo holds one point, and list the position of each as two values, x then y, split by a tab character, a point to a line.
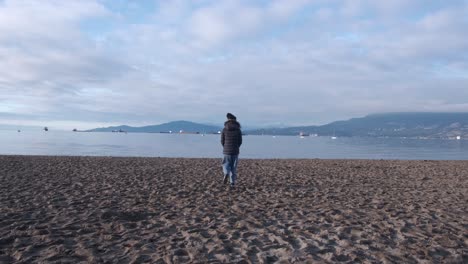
161	210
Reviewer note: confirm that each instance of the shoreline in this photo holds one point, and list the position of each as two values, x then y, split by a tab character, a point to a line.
159	210
220	157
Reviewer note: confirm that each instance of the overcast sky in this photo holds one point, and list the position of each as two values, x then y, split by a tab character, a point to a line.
92	63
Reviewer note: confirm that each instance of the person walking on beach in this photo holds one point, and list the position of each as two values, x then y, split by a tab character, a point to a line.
231	139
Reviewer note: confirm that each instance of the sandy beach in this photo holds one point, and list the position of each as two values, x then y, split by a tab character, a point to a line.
162	210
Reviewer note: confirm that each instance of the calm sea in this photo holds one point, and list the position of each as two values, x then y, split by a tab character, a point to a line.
185	145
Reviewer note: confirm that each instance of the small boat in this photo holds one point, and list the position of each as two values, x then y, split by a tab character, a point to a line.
46	129
303	135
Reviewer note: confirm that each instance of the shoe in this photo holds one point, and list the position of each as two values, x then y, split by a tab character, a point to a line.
226	178
232	187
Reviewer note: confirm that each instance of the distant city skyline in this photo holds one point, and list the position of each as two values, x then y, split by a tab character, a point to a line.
96	63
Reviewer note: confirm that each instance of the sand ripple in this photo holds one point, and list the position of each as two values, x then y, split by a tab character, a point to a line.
158	210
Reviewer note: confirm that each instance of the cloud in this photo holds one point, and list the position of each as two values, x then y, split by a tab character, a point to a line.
229	20
45	56
296	62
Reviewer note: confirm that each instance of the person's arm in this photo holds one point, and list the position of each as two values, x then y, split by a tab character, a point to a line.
240	138
222	138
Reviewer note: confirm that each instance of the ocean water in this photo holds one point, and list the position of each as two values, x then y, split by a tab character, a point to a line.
209	146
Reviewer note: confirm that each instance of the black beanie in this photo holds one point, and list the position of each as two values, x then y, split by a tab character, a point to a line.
230	116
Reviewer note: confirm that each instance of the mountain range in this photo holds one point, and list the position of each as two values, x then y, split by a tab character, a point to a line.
426	125
171	127
416	124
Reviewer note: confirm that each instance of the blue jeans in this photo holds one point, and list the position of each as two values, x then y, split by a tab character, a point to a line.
230	167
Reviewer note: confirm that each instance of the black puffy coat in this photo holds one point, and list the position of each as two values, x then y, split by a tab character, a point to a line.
231	137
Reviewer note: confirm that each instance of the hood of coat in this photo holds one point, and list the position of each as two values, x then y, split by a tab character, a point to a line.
232	125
